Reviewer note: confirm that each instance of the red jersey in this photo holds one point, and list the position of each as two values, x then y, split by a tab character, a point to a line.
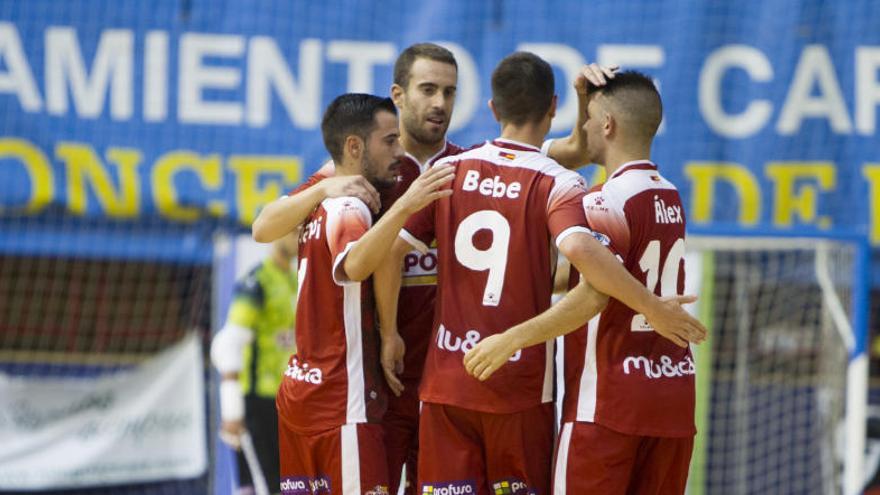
619	373
415	311
415	308
335	376
494	238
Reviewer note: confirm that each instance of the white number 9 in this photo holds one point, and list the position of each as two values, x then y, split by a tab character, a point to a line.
493	258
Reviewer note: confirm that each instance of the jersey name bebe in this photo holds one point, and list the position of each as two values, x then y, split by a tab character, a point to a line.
495	269
490	186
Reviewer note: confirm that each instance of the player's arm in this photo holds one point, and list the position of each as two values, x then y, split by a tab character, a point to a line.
364	257
285	214
571	312
227	355
571	151
602	270
386	289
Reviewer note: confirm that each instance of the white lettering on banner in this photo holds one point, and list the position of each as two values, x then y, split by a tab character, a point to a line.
267	69
493	187
361	57
302	373
156	77
755	116
666	368
113	65
867	88
107	73
814	69
196	77
120	425
448	342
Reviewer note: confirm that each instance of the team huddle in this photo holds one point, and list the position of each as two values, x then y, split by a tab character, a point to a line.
424	327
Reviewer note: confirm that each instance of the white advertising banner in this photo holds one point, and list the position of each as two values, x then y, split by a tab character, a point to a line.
143	424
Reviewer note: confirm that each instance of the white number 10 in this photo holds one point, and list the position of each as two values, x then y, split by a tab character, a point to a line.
493	258
650	262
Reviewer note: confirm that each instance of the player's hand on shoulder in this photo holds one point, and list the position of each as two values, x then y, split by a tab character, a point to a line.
486	357
594	75
675	323
430	186
352	185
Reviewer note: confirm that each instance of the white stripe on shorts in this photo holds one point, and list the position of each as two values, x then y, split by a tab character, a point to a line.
562	460
351	460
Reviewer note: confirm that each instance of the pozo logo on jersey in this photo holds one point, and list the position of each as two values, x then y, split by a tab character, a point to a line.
448	342
511	486
666	368
304	373
417	264
449	488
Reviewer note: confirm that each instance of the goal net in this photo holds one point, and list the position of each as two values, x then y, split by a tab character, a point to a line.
782	380
101	372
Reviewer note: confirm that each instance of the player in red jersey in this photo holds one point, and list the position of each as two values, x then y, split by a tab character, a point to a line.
628	414
425	80
493	236
332	396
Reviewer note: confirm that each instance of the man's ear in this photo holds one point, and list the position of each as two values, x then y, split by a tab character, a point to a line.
494	112
553	103
353	147
397	95
609	125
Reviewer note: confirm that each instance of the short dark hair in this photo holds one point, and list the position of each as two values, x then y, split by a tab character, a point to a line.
406	59
635	102
522	88
351	114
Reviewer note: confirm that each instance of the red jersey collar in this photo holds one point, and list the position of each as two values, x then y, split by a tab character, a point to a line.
514	145
430	160
634	165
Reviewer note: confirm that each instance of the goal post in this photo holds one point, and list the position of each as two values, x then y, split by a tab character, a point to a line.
782	379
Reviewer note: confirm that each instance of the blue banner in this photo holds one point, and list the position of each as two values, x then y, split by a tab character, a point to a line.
199	112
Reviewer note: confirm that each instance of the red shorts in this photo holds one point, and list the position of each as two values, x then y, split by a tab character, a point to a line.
594	459
461	450
401	427
345	460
